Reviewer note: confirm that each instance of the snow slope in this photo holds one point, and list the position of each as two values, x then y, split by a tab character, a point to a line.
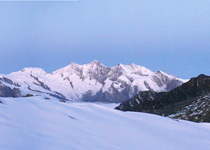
90	82
38	124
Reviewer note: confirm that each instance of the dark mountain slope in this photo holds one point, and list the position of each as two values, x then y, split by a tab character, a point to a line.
182	102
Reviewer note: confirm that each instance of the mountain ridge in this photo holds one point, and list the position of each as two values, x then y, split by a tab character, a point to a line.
189	101
91	82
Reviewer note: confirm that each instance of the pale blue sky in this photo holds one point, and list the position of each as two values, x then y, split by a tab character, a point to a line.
173	36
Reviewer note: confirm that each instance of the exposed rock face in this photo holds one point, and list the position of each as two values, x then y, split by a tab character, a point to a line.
6	91
189	101
198	110
91	82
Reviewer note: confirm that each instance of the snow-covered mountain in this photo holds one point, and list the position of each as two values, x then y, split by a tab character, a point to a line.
89	82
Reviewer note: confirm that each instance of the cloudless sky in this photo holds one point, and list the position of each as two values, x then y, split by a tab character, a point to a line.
168	35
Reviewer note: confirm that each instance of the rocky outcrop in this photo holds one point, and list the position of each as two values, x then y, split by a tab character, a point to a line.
189	101
6	91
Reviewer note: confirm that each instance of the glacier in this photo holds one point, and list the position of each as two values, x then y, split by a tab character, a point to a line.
90	82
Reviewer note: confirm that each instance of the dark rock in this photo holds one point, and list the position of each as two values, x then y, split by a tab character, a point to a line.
28	95
63	101
193	94
6	91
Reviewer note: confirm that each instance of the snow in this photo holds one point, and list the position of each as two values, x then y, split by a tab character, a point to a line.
107	85
34	70
37	124
74	81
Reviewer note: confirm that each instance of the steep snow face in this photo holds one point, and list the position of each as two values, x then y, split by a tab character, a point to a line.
38	124
93	82
94	70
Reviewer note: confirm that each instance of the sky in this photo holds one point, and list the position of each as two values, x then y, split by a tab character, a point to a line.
172	36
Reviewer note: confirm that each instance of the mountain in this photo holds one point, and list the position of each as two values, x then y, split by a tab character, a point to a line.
89	82
190	101
34	123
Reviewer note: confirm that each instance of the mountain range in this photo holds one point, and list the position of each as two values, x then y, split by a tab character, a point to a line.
89	82
189	101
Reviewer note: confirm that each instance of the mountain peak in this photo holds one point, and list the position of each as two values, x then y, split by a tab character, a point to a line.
201	80
93	81
73	64
133	65
203	76
95	63
34	70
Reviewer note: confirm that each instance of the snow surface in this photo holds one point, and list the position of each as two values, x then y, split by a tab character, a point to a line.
38	124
